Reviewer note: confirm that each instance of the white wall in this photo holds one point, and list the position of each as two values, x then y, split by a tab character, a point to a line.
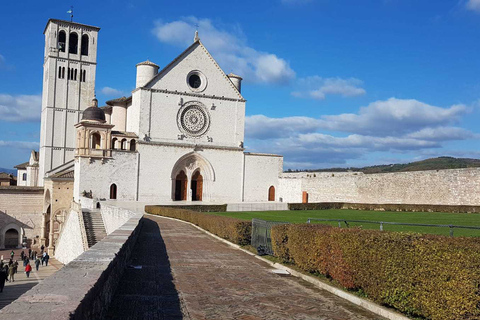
70	243
98	175
114	217
261	172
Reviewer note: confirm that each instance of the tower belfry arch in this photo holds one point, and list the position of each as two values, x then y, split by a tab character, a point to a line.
192	178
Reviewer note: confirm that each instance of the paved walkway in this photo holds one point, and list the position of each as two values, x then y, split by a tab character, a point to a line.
22	284
179	272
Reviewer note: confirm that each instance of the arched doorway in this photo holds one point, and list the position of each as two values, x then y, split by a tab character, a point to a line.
11	239
113	191
271	193
181	186
197	186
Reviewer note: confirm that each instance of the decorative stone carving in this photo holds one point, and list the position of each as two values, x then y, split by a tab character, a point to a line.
193	119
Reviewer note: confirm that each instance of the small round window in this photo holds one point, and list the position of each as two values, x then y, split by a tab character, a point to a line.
196	81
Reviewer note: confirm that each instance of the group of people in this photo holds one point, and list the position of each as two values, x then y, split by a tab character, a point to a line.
8	270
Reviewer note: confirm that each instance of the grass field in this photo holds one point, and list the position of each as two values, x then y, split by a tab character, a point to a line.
462	219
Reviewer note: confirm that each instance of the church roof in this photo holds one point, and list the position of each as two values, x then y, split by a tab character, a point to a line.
22	166
147	63
69	174
124	134
118	101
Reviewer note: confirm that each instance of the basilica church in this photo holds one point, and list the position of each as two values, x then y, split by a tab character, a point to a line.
179	136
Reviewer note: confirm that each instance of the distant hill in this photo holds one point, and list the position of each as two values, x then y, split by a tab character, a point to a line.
11	171
428	164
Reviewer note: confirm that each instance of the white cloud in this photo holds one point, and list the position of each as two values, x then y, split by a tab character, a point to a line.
443	134
394	117
393	125
473	5
317	87
111	91
229	48
19	144
20	108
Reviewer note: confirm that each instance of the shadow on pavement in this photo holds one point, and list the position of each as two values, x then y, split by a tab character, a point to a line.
146	289
12	291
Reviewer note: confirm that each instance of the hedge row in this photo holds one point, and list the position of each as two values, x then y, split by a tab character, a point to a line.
384	207
199	207
430	276
234	230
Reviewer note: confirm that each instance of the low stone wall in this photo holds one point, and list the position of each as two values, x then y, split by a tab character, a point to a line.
83	289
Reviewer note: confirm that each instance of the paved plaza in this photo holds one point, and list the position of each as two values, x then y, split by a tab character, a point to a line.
179	272
22	284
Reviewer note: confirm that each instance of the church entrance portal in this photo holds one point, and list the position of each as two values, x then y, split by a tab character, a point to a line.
11	239
181	186
197	186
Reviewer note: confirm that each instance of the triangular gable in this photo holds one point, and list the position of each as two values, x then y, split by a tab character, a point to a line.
195	57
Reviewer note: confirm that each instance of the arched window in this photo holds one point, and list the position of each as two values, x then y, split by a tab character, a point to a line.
83	75
132	145
84	49
124	144
60	72
24	177
95	138
113	191
73	43
75	77
271	193
63	72
114	141
62	38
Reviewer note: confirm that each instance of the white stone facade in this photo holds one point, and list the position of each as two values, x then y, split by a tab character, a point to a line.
183	129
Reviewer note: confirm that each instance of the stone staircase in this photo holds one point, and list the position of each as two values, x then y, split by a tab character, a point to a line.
94	227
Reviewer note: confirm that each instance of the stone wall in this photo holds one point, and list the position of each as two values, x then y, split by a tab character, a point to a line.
21	208
83	289
436	187
114	217
70	243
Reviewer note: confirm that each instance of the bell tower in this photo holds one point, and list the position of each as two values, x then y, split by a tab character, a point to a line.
69	68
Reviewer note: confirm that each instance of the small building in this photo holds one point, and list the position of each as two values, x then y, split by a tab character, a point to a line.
7	179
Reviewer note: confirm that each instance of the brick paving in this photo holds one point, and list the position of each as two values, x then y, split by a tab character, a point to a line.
22	284
187	274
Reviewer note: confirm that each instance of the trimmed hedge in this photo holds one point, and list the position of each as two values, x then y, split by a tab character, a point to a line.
199	208
383	207
431	276
234	230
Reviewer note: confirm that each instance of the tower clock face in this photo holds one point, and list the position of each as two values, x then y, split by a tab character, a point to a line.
193	119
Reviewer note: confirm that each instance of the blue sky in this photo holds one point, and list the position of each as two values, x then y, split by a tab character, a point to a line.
328	82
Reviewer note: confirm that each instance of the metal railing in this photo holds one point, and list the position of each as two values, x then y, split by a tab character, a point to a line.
261	239
451	226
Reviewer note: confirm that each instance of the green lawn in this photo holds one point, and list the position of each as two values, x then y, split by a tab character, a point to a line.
462	219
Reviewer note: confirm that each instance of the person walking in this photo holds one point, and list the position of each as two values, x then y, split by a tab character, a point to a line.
28	269
12	254
15	266
46	259
22	255
11	273
37	263
3	278
30	253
